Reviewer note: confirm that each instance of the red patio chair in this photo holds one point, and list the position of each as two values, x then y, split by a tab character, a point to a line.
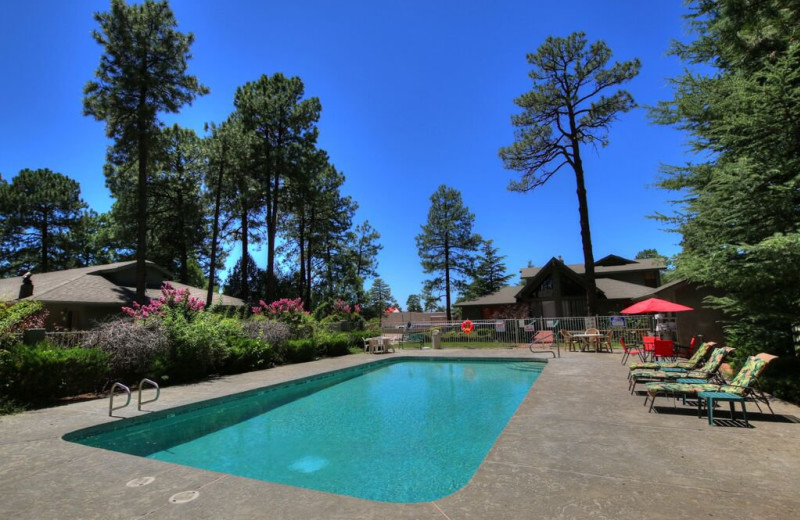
664	348
649	346
627	351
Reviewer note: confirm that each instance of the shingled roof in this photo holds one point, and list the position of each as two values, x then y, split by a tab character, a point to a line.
643	264
505	296
91	285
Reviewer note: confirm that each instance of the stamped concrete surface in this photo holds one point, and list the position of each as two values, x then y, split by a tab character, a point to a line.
580	446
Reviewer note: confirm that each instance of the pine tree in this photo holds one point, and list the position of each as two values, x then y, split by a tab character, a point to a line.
489	275
741	198
37	210
447	243
565	110
142	72
379	298
284	127
413	303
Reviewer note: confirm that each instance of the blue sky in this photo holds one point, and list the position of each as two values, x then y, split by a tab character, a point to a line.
415	94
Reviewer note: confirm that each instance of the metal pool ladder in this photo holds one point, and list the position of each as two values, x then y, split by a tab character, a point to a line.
151	383
127	390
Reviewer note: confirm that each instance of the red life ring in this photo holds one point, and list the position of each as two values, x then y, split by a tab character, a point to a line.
467	326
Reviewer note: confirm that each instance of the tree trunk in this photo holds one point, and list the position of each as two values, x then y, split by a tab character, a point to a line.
301	242
245	268
586	236
272	223
212	268
183	251
45	244
447	279
141	217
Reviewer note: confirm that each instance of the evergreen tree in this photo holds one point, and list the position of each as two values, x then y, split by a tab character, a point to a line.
447	244
91	241
176	214
430	302
413	303
218	153
379	298
365	250
567	109
316	228
284	127
254	278
142	72
739	216
489	275
37	210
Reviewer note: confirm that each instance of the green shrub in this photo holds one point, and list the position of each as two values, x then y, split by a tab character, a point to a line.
300	351
782	379
357	337
333	345
17	317
197	347
246	354
37	374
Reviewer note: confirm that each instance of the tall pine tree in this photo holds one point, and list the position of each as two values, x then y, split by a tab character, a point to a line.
741	206
142	72
37	210
567	109
447	244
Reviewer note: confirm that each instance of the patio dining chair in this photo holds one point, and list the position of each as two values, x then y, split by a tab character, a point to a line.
593	342
608	341
709	371
745	384
568	339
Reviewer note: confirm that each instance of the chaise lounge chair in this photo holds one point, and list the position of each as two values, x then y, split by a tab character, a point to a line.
707	372
690	364
744	384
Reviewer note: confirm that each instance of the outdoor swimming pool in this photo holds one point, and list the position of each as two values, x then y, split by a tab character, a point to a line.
397	430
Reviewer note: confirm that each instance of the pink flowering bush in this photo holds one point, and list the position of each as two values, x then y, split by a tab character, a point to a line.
171	299
340	315
289	312
344	310
279	308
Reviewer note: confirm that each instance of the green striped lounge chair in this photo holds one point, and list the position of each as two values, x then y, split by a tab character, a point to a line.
706	372
745	383
690	364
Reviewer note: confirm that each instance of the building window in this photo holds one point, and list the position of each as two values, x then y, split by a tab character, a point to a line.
545	289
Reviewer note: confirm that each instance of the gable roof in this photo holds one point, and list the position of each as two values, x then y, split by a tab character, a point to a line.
552	265
88	285
618	290
644	264
505	296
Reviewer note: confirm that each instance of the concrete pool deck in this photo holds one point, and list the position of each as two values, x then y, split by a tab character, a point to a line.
578	447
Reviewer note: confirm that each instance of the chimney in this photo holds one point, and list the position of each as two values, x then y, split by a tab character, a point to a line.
26	289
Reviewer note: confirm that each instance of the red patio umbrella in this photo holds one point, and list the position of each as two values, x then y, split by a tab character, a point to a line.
655	305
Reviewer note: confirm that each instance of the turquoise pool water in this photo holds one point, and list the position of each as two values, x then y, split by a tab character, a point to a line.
392	431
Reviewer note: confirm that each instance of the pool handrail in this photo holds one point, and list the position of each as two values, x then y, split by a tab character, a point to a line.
111	406
153	384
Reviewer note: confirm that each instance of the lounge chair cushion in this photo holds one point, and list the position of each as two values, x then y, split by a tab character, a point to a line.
738	386
689	364
660	375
